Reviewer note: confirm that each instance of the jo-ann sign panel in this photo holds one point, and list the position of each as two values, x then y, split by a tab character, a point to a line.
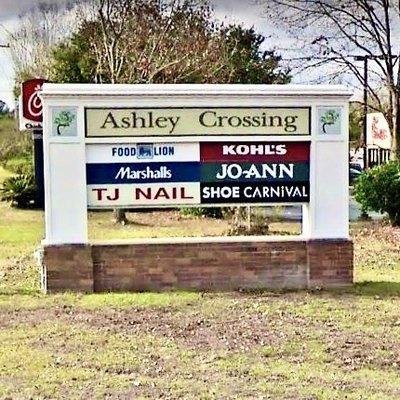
114	122
162	174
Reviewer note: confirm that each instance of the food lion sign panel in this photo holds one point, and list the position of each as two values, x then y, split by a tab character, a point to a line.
203	173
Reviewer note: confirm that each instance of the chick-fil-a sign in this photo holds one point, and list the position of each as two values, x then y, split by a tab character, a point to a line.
31	104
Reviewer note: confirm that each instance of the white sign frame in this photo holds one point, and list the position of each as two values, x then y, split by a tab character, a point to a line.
324	217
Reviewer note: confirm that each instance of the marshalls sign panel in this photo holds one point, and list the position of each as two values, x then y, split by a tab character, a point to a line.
111	122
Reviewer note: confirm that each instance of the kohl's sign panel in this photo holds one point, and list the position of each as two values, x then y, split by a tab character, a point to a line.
202	173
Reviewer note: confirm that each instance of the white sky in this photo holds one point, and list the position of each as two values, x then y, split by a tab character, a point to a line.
238	11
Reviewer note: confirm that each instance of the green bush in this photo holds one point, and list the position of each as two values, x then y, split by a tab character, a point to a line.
210	212
19	190
12	142
22	165
378	189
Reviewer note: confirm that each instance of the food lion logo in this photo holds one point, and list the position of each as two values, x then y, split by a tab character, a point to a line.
145	151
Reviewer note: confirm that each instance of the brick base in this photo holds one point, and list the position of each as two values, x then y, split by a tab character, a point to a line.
213	264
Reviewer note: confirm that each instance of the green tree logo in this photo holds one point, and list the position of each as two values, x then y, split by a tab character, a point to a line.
329	118
63	120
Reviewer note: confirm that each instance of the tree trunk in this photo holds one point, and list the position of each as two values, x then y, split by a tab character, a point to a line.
60	126
120	216
394	217
395	150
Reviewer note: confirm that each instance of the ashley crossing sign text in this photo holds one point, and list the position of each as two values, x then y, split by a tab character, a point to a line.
251	121
150	174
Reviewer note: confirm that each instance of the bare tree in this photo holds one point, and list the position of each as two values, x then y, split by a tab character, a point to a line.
39	30
153	41
332	32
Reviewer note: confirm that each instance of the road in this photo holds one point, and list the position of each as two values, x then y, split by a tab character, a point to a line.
294	212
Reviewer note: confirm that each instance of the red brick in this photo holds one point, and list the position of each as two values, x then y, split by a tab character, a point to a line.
201	266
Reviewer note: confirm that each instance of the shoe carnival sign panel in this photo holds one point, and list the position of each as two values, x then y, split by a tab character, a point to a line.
141	122
165	174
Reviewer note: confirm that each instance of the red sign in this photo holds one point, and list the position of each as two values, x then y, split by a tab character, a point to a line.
255	151
378	133
31	102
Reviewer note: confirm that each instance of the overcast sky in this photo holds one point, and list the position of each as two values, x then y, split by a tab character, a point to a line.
240	11
245	12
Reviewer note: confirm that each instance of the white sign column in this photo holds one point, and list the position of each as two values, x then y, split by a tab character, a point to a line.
327	214
65	177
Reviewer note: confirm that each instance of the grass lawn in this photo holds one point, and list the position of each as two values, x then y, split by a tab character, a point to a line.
296	345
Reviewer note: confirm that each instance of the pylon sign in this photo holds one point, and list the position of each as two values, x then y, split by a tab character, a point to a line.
30	105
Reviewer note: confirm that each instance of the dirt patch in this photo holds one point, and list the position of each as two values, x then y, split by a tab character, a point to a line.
355	351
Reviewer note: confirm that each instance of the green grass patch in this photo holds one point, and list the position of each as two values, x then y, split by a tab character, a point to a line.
127	300
4	174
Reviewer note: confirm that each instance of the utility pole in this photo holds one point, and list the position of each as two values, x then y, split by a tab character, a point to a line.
365	59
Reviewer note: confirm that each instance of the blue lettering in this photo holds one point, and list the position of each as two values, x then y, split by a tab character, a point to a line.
123	151
143	151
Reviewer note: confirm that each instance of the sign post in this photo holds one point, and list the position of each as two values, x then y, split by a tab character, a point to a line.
39	172
30	118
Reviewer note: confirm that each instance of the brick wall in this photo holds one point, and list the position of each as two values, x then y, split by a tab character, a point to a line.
330	262
216	264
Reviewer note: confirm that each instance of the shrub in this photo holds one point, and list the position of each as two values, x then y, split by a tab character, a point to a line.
22	165
210	212
378	189
12	142
248	221
19	190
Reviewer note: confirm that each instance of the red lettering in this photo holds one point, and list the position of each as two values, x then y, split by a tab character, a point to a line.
174	195
376	132
116	195
161	193
99	193
140	193
183	194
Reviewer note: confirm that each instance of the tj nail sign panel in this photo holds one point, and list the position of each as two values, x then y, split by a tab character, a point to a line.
152	194
127	175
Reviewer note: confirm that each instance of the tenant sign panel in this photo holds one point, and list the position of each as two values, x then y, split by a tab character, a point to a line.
165	174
